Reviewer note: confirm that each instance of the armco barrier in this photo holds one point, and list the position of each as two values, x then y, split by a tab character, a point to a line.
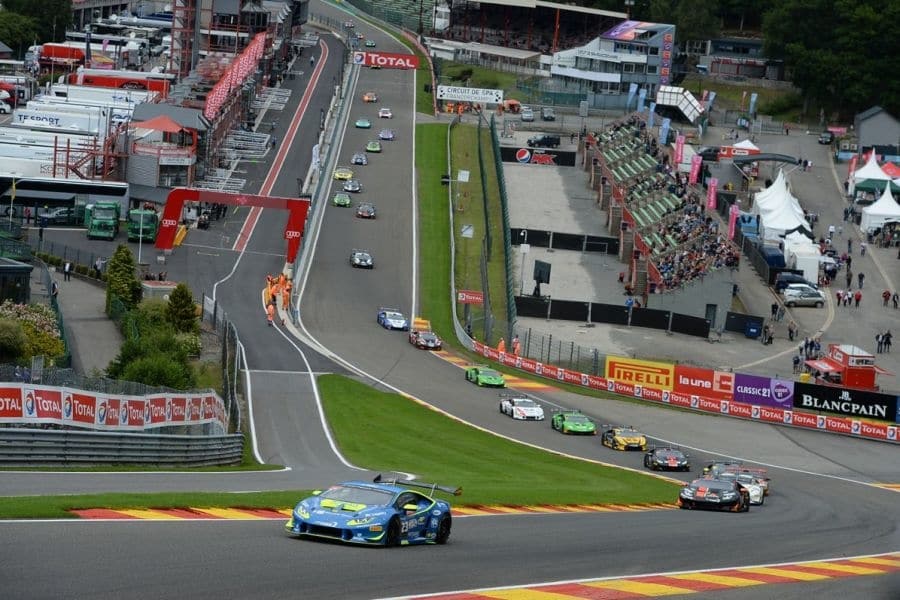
652	379
21	447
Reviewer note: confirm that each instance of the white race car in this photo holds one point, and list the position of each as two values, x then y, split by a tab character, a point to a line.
521	408
750	482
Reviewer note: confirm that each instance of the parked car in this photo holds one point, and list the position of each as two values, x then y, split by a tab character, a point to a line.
802	297
782	280
526	114
826	137
545	140
547	114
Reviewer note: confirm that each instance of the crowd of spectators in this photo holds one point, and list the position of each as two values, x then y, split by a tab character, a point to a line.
689	243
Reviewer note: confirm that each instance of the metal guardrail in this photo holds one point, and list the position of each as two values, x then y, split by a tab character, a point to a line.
23	447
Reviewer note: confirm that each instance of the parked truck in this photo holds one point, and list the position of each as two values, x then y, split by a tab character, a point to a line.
102	220
143	225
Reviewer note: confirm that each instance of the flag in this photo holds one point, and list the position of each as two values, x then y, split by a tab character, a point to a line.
679	149
743	98
696	163
732	219
652	115
711	191
632	90
710	100
752	109
642	97
664	132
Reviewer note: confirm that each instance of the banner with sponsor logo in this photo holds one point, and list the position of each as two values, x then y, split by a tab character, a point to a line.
23	404
679	149
642	99
733	213
704	382
852	403
763	391
652	115
696	163
711	189
634	371
752	110
664	131
392	60
632	90
538	156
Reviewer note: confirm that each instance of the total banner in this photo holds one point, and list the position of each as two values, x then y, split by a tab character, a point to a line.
842	401
24	404
679	148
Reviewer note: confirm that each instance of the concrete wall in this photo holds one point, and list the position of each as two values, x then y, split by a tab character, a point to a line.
143	170
714	288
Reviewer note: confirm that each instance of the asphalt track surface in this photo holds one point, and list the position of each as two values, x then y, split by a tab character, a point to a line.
821	505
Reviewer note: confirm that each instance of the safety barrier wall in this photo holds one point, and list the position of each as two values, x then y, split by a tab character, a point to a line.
37	404
507	238
46	448
738	395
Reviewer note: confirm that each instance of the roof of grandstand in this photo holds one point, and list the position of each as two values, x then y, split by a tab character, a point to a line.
484	49
556	5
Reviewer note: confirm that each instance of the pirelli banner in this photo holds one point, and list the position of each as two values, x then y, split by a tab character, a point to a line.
26	404
848	402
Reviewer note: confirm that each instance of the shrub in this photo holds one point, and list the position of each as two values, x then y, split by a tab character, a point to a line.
181	312
13	341
81	269
122	282
188	343
38	322
150	314
781	104
160	369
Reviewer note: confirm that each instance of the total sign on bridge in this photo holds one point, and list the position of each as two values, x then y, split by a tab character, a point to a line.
386	60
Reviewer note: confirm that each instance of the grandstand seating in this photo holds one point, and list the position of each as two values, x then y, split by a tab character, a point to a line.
669	217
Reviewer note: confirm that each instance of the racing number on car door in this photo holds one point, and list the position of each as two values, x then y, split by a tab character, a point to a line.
410	522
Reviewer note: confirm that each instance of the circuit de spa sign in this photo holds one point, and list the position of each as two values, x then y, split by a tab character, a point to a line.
293	231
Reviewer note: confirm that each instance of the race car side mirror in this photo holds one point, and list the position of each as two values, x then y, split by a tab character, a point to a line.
316	492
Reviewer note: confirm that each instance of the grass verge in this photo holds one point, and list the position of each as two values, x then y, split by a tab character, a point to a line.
383	431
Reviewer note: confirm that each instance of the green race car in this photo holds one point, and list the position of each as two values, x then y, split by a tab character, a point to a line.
484	376
373	146
572	421
370	44
341	199
363	123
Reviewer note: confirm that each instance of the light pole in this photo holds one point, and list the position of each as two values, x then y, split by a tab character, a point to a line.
524	248
628	5
140	236
12	198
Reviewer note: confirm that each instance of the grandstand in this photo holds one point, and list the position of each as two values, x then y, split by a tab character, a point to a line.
673	240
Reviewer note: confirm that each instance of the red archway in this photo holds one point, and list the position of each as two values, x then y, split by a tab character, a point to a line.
293	231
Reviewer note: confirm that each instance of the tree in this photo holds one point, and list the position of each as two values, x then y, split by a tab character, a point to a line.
693	19
180	311
121	281
17	31
851	68
51	17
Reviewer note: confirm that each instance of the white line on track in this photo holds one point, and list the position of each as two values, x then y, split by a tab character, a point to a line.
633	575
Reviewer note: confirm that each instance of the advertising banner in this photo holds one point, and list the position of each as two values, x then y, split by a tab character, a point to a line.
648	373
652	115
696	163
537	156
642	99
24	404
704	382
710	100
733	214
664	131
392	60
679	149
712	188
763	391
632	90
752	109
851	403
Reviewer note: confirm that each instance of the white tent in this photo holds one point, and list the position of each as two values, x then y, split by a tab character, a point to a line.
805	257
779	221
774	197
746	145
870	170
884	210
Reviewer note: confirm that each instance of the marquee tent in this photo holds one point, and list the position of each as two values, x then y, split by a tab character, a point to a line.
884	210
780	221
775	196
870	170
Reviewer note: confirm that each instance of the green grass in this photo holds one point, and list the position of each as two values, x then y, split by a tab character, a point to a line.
470	211
728	96
480	77
384	432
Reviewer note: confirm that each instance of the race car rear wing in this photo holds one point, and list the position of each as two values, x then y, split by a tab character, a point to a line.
455	491
758	472
387	309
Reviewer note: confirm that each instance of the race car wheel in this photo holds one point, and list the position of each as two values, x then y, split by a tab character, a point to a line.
393	533
762	500
501	409
443	530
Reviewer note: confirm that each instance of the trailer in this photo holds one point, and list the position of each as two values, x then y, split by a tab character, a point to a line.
43	118
126	80
103	94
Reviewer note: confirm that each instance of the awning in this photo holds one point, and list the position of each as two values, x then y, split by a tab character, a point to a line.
881	371
162	123
824	366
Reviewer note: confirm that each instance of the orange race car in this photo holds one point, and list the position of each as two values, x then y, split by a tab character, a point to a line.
370	97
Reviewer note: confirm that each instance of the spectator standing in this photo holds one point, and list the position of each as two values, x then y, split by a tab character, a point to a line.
831	231
270	314
516	345
54	289
860	278
849	279
886	339
895	299
879	343
98	265
26	375
67	271
796	361
858	297
792	330
862	248
849	246
885	296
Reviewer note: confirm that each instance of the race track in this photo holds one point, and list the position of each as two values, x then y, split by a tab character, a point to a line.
821	505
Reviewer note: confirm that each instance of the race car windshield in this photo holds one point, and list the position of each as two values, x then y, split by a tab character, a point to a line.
630	433
675	455
489	373
356	495
721	486
577	419
525	403
393	315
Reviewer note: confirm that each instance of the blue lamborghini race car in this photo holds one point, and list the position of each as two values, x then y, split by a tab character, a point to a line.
383	513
